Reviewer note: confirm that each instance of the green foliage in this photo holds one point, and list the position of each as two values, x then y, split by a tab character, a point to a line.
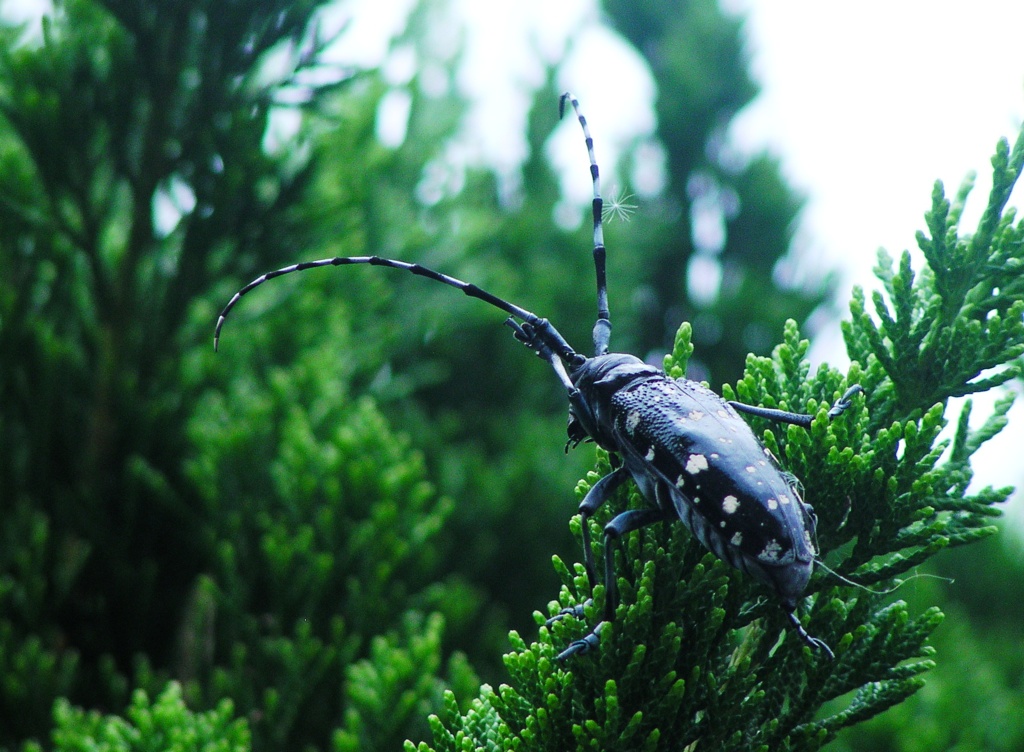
163	514
326	534
391	691
164	725
698	654
246	526
971	700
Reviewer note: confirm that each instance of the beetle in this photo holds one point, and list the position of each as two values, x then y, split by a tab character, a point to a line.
687	449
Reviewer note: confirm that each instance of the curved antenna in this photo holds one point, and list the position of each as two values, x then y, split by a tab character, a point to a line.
603	325
543	334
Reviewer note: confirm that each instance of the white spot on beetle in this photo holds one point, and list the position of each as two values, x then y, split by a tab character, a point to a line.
722	523
783	499
715	455
772	503
695	415
737	539
650	455
632	420
696	463
771	551
730	504
723	414
724	440
750	469
680	481
810	543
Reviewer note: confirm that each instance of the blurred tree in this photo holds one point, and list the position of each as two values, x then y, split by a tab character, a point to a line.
152	527
134	177
717	243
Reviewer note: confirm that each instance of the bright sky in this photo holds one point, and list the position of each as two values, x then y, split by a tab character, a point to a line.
870	99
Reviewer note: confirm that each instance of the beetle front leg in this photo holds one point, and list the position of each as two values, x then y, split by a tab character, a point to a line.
598	494
626	522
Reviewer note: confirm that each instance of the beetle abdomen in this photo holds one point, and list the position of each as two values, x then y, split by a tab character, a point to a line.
688	448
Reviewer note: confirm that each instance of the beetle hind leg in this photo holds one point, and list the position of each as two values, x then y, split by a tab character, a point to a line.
800	419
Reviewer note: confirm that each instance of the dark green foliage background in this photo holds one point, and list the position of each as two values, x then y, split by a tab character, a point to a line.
341	515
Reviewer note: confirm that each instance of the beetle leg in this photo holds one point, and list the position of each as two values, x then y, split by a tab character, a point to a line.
844	402
799	419
598	494
626	522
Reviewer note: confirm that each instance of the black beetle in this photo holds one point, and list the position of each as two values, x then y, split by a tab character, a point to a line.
688	450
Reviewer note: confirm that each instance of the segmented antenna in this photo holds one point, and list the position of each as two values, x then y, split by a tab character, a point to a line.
543	334
603	325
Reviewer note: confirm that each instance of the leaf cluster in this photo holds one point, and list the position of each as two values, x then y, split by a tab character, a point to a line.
164	723
246	532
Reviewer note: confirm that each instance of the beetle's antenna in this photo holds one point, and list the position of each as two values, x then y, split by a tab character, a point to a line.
542	330
603	325
897	582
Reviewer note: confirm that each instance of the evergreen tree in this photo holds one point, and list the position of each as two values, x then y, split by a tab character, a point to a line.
697	656
972	697
251	525
163	514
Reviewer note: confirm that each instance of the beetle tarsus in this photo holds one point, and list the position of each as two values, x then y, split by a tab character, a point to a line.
574	611
843	403
578	647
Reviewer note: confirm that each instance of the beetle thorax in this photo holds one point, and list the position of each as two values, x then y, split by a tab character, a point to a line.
597	380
